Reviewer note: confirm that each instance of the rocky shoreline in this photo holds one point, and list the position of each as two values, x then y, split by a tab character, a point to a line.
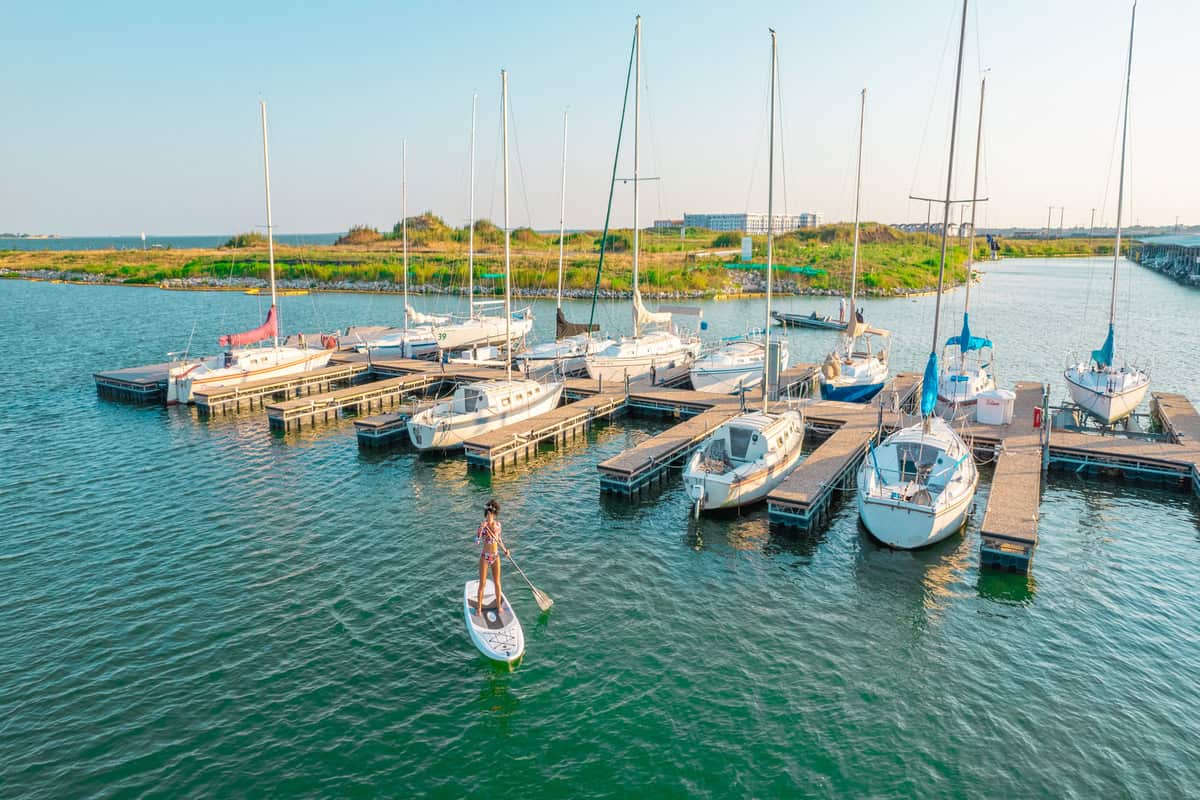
745	285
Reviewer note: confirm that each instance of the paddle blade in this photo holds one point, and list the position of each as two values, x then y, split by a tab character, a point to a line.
543	600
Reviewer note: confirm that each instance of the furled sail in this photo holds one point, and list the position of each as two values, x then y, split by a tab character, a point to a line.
564	328
417	318
265	331
929	386
965	341
1104	356
644	316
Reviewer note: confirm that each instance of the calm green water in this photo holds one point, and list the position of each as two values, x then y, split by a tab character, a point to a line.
204	609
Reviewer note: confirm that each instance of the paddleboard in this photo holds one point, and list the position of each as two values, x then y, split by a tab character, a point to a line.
496	631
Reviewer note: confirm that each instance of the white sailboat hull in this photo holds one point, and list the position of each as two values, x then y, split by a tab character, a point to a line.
570	352
635	358
479	331
438	429
909	527
960	388
250	365
741	484
906	506
1109	395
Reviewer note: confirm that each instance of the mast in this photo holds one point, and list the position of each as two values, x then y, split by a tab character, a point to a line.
637	115
1112	306
507	266
404	219
962	346
862	114
770	229
962	36
974	196
562	211
471	222
270	229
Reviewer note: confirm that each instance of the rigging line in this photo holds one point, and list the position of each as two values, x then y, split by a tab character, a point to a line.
612	183
492	193
758	147
657	169
782	136
937	82
512	114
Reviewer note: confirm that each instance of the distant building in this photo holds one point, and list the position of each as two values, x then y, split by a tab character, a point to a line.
754	223
668	223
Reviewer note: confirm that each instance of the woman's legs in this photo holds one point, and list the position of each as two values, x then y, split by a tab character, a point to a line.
496	578
483	570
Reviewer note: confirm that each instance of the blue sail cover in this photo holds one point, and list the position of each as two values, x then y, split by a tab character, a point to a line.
929	386
965	341
1104	356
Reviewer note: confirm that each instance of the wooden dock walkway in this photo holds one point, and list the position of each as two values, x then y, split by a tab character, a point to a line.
146	384
382	430
630	471
497	448
1009	533
804	496
222	400
388	393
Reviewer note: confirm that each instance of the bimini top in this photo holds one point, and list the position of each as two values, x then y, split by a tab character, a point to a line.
965	341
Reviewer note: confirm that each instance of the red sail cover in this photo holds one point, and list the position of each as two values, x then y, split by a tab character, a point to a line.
264	331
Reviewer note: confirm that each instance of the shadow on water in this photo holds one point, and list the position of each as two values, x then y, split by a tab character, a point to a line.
1007	588
496	701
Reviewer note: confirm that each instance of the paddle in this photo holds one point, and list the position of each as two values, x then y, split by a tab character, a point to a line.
543	600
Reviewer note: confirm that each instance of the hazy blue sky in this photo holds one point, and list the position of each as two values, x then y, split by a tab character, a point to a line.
143	116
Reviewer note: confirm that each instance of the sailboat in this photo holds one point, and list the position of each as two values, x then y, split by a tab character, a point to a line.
241	364
634	356
485	406
425	334
856	370
748	456
409	341
968	359
1104	390
573	341
916	488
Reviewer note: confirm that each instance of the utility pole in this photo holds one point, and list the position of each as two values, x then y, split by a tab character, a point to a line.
1049	211
1092	225
1062	210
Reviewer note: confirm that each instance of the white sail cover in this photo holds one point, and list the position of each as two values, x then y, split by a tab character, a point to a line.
644	316
417	318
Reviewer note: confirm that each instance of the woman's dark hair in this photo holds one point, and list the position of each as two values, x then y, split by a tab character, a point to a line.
492	507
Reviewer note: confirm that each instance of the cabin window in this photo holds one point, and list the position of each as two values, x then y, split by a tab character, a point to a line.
739	441
504	402
471	400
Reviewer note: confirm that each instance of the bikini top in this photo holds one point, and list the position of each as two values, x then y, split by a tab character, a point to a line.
488	533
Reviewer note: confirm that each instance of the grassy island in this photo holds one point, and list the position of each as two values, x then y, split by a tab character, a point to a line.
699	263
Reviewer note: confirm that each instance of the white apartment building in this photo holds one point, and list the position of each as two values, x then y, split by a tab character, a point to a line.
754	223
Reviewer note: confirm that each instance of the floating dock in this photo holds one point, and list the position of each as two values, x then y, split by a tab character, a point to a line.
254	395
1021	452
146	384
1009	533
292	415
803	498
506	445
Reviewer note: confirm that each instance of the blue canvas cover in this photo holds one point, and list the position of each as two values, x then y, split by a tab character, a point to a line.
965	341
929	386
1104	356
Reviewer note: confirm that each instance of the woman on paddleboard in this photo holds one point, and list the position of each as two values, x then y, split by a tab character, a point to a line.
488	536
